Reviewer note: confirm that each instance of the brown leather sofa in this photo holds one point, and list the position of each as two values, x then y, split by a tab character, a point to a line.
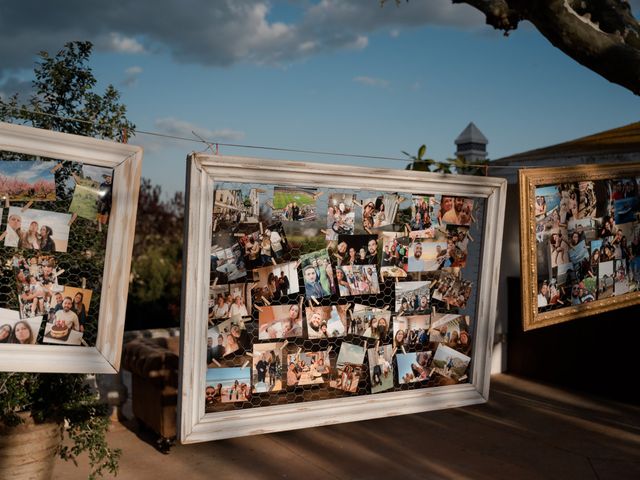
153	363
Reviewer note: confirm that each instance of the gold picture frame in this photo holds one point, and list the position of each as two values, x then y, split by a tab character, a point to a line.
536	234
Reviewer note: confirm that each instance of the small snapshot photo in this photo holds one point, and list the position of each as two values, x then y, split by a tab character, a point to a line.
369	322
317	274
413	367
423	218
411	331
280	321
379	211
356	250
350	354
381	368
427	255
457	246
37	230
588	199
605	279
453	290
361	279
233	207
92	194
15	330
227	385
584	291
218	304
80	298
348	377
294	204
37	285
63	327
450	363
452	330
326	321
621	281
395	254
275	282
455	210
227	264
341	215
231	338
308	368
27	180
626	210
264	247
412	298
267	367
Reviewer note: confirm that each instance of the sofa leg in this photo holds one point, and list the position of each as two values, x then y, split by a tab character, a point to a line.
164	444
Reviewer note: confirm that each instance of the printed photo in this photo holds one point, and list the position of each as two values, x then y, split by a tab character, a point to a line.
308	368
227	385
455	210
411	331
452	330
37	230
326	321
275	282
559	247
340	215
426	255
450	363
227	338
412	298
348	377
265	247
294	204
37	285
457	245
317	274
423	216
369	322
413	367
233	207
626	210
26	180
621	281
587	200
267	367
281	321
92	194
227	264
379	211
586	228
356	250
381	368
81	299
350	354
15	330
361	280
63	327
228	301
584	291
547	202
452	290
395	252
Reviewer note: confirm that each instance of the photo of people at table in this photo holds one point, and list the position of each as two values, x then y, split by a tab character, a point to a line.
308	368
395	254
423	217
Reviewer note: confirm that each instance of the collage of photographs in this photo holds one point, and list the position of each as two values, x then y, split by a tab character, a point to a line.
47	206
588	241
318	293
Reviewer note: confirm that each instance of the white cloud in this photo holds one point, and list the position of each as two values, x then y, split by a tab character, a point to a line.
394	33
131	76
372	82
182	128
117	42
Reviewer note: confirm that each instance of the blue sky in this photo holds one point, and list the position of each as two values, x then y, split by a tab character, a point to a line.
333	76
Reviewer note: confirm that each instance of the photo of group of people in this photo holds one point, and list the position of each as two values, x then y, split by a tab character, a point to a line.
227	338
326	321
379	211
13	329
280	321
412	298
294	204
264	247
227	385
275	282
369	322
341	215
452	290
308	368
317	273
267	367
228	301
227	264
588	241
411	331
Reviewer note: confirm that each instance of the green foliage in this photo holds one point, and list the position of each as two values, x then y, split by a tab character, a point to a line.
64	100
450	165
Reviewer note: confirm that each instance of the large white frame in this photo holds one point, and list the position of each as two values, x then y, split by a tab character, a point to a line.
126	161
202	172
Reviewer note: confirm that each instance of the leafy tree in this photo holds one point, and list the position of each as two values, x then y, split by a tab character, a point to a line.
451	165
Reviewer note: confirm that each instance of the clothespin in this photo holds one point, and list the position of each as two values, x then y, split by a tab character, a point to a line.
2	235
269	204
73	219
329	348
317	195
377	344
286	342
244	365
27	206
84	283
403	350
299	350
216	362
266	302
261	229
57	167
315	300
215	224
257	307
85	344
6	201
215	281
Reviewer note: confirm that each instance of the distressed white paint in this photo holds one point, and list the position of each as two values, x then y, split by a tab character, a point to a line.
126	160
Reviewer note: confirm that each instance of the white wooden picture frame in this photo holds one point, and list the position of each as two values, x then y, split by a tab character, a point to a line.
126	162
203	172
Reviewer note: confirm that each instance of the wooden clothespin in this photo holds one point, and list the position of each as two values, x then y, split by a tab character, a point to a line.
84	283
257	307
2	235
56	168
215	224
216	362
286	342
27	206
266	302
329	348
315	300
215	281
244	365
261	228
73	219
403	350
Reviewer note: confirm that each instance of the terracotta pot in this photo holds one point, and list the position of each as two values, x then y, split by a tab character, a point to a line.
28	450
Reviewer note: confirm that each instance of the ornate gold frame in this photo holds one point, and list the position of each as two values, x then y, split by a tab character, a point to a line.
529	179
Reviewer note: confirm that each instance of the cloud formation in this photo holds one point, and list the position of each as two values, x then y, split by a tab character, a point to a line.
182	128
372	82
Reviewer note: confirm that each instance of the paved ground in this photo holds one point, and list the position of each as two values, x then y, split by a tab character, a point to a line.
525	431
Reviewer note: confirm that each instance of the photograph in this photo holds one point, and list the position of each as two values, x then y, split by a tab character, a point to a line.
452	330
423	217
92	193
587	199
427	255
294	204
450	363
227	264
227	338
457	246
15	330
280	321
350	353
275	282
455	210
341	215
226	385
28	180
413	367
369	322
584	291
605	279
361	280
379	211
218	305
411	331
308	368
381	368
412	298
621	280
395	251
356	250
38	290
233	207
81	299
452	290
37	230
626	210
326	321
348	377
63	325
317	274
558	246
267	367
264	247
